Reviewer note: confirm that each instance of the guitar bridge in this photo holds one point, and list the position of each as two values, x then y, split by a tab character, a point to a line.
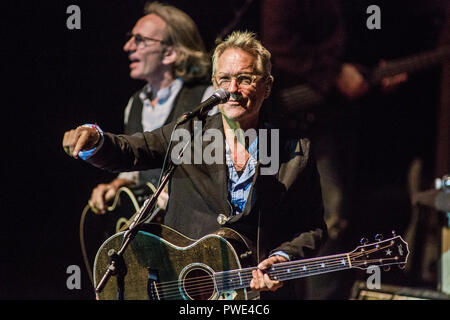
152	289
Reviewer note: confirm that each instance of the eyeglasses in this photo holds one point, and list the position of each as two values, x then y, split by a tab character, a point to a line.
138	39
242	80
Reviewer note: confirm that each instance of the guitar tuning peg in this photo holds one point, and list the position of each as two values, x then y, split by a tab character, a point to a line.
393	233
387	268
364	241
379	237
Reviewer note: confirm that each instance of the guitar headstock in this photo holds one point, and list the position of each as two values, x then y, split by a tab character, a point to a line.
380	253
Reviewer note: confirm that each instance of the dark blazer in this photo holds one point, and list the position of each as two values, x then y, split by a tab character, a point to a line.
284	211
188	98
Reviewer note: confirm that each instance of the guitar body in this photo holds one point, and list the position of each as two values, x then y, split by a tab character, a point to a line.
163	264
95	229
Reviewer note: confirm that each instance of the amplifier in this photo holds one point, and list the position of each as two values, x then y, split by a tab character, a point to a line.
391	292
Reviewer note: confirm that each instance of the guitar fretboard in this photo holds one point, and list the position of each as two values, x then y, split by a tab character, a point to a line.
238	279
410	64
302	97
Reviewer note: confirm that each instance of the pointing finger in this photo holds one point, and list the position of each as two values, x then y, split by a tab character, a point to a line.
81	142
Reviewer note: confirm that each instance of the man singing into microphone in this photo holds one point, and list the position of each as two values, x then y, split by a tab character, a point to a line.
166	50
280	212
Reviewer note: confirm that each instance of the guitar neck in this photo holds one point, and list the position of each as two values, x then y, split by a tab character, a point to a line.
303	97
239	279
410	64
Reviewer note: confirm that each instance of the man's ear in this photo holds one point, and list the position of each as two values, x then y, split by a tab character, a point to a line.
169	55
268	87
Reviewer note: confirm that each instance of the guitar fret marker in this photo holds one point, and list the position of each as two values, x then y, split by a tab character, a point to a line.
322	265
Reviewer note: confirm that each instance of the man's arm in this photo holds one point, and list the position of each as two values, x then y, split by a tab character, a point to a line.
118	153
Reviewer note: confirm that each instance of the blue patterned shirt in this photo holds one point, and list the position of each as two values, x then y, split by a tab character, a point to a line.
239	186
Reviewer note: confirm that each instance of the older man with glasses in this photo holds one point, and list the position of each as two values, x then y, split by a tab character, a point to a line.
281	212
165	49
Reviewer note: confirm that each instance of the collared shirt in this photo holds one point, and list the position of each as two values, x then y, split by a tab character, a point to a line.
239	186
154	117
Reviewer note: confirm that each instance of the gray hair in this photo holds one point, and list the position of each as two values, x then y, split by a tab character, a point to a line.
247	42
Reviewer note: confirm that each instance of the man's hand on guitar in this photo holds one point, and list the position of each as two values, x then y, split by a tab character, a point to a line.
104	193
352	85
261	280
80	139
163	198
351	82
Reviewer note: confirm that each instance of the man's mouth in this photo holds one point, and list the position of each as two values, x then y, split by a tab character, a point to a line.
134	61
235	104
236	97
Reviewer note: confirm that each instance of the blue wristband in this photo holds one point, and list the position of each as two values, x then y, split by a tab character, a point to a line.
84	155
280	253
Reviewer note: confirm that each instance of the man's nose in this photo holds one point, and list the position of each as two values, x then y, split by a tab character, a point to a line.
130	45
233	86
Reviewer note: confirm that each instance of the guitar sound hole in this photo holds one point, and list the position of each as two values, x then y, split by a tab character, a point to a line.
198	284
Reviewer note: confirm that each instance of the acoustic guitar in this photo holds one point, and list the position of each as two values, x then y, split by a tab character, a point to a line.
95	228
162	264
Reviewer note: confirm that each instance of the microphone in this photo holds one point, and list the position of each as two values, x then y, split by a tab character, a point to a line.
219	96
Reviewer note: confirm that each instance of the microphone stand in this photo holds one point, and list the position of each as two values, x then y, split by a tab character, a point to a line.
117	266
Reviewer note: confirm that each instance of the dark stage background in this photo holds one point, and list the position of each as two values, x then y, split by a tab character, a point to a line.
55	79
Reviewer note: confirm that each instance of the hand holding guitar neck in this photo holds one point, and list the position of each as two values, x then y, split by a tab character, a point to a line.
352	84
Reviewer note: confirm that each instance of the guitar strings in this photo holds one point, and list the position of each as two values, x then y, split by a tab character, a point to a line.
280	266
166	288
205	282
211	288
285	265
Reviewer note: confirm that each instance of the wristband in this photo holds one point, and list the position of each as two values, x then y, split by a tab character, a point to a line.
89	153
